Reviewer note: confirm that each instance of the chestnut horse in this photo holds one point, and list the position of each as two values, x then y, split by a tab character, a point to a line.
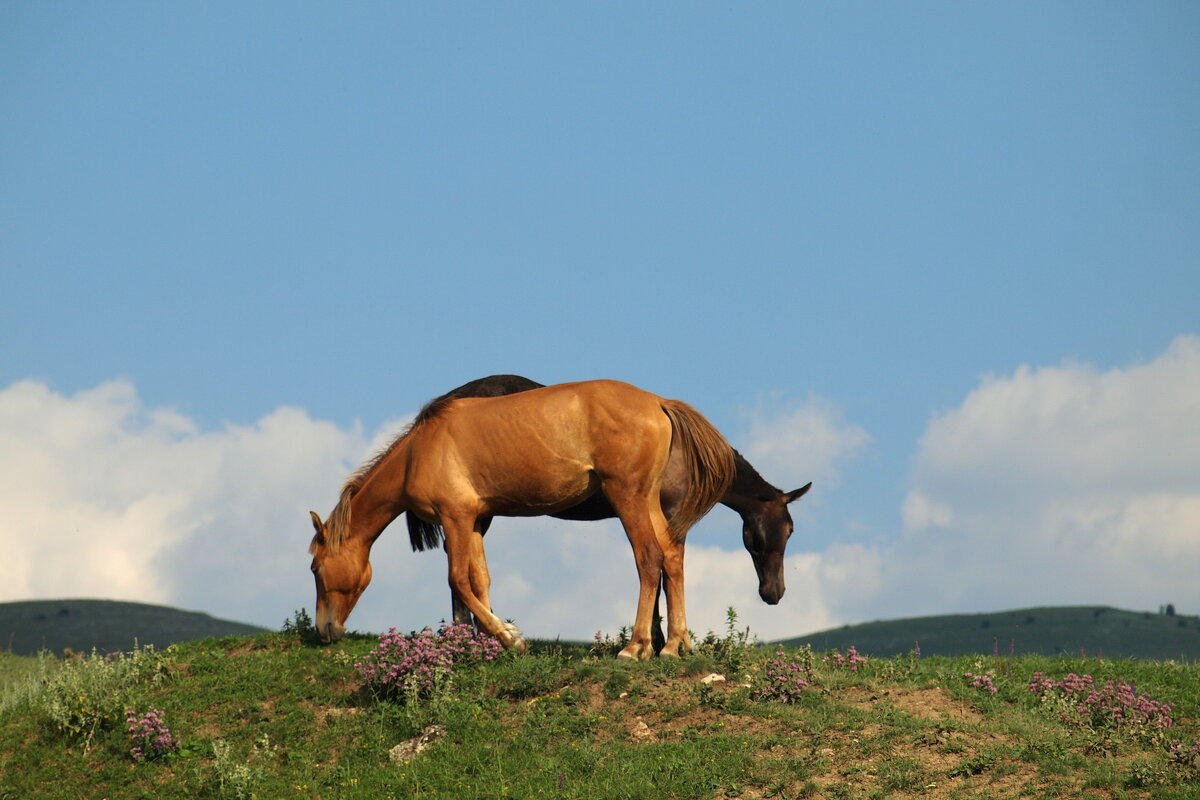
766	522
538	452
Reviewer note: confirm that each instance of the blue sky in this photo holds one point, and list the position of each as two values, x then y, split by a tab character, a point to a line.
840	230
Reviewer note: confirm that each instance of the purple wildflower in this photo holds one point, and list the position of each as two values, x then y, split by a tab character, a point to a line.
1115	705
851	661
422	661
150	735
784	681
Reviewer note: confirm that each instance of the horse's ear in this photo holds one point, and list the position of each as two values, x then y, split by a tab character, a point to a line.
318	526
796	495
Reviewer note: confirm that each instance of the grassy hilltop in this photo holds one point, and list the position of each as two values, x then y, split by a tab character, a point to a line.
278	716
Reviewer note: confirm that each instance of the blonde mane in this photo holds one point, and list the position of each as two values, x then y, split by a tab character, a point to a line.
337	528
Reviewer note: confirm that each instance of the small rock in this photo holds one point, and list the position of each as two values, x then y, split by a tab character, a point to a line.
408	750
712	678
641	731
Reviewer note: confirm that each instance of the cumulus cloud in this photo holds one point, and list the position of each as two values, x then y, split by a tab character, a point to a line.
103	497
794	443
1062	484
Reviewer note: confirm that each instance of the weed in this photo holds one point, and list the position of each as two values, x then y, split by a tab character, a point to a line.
973	765
851	661
783	681
730	651
301	626
1115	707
422	664
238	779
151	738
605	646
91	693
983	682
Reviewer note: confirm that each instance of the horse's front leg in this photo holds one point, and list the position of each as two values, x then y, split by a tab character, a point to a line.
645	526
469	578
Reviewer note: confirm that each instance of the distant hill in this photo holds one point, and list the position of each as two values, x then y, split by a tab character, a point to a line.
106	625
1094	630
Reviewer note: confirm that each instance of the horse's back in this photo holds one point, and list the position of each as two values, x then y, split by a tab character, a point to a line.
547	447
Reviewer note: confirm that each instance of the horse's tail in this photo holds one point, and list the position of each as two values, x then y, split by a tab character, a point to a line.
709	462
423	535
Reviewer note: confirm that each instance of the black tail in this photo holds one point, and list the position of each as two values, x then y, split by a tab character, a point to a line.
423	535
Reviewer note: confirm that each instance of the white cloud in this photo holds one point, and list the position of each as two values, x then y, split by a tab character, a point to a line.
796	443
102	497
1061	485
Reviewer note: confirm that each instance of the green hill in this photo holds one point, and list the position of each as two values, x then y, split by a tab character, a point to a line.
29	626
1092	630
277	716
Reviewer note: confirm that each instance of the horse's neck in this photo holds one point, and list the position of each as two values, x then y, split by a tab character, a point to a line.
748	488
379	499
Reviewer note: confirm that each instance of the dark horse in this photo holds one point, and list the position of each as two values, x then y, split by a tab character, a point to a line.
766	522
466	460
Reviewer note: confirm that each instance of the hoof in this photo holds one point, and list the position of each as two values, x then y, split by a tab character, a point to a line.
516	641
636	652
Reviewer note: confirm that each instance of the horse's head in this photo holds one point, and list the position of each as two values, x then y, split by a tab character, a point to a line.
341	573
765	531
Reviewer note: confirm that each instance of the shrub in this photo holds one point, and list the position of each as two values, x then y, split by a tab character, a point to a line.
729	651
422	663
91	693
1114	707
783	681
150	736
850	661
983	681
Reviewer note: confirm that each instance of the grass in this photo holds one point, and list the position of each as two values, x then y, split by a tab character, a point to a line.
276	716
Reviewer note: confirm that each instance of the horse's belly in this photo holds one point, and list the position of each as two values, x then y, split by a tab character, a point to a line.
531	499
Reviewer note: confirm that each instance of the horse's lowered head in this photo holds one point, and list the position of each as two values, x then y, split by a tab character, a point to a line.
766	527
342	570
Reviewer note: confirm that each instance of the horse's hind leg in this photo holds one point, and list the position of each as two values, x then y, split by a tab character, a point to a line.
481	580
678	641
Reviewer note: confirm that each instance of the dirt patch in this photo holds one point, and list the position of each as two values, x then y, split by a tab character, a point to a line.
933	704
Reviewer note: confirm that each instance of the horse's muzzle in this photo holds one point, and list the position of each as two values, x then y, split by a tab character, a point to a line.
771	595
331	632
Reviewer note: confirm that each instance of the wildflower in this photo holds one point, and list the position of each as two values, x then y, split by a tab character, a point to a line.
784	680
851	661
983	681
1116	705
422	661
150	735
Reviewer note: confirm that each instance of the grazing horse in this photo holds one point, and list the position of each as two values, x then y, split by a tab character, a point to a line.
538	452
766	522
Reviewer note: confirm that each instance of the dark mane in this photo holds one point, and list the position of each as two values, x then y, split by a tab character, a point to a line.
748	482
